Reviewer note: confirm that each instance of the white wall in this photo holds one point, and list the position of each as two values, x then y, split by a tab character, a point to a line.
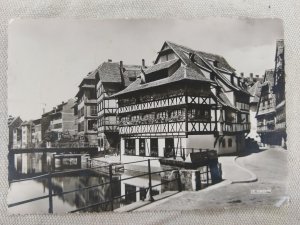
122	146
226	149
137	146
201	141
161	146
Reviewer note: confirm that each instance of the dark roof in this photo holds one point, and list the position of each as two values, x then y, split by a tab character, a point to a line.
255	91
182	73
160	66
222	63
109	72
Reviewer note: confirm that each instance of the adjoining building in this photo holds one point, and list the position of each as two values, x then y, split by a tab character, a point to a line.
86	110
27	128
60	120
13	123
112	77
37	133
279	91
271	108
255	91
187	99
266	110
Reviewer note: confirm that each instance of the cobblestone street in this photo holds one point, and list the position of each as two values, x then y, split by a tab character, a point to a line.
270	169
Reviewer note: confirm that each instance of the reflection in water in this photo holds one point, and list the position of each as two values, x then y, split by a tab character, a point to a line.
33	164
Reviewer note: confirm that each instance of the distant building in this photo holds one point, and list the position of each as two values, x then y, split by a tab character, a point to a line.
187	99
27	128
255	91
13	123
37	133
271	108
112	78
279	91
86	110
60	120
266	110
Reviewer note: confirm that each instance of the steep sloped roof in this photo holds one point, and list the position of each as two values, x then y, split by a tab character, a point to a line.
222	63
109	72
255	91
182	73
160	66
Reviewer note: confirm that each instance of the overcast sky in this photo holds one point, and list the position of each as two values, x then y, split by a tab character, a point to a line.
48	58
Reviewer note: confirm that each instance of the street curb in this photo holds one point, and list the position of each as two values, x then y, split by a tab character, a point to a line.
253	176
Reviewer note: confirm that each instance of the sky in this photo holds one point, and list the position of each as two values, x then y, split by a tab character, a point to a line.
47	58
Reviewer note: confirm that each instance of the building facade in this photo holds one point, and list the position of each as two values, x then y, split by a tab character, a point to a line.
13	124
86	110
271	108
27	129
60	120
187	99
279	91
266	110
112	77
37	133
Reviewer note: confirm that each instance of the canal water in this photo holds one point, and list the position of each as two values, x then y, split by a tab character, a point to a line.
28	165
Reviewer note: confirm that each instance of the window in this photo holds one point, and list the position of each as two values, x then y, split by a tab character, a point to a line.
223	143
154	147
92	125
229	142
57	126
93	110
199	114
142	147
129	146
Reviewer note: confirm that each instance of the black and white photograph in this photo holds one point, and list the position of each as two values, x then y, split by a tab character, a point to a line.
136	115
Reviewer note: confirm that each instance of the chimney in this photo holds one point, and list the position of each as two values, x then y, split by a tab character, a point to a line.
251	75
109	60
239	81
121	66
216	63
232	78
143	63
242	75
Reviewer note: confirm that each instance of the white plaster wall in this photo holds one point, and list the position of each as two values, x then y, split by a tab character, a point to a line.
137	146
201	141
226	149
147	146
122	146
161	146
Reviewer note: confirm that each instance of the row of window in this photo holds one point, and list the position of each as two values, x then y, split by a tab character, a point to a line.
167	116
107	104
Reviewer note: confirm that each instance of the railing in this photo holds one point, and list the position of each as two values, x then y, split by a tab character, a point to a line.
112	198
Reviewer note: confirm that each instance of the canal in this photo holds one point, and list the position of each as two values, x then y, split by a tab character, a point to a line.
23	167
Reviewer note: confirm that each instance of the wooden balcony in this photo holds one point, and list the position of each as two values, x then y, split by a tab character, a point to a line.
236	127
172	101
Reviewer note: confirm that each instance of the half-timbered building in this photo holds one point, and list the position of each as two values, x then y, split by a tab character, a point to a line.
187	99
112	77
86	110
266	110
271	107
279	91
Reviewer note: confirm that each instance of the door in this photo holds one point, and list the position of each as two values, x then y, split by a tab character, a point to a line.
154	147
142	147
169	147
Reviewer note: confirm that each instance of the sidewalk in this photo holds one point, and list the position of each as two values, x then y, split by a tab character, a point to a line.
235	173
269	189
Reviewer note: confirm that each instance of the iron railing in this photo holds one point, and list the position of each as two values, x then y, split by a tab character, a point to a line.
112	198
